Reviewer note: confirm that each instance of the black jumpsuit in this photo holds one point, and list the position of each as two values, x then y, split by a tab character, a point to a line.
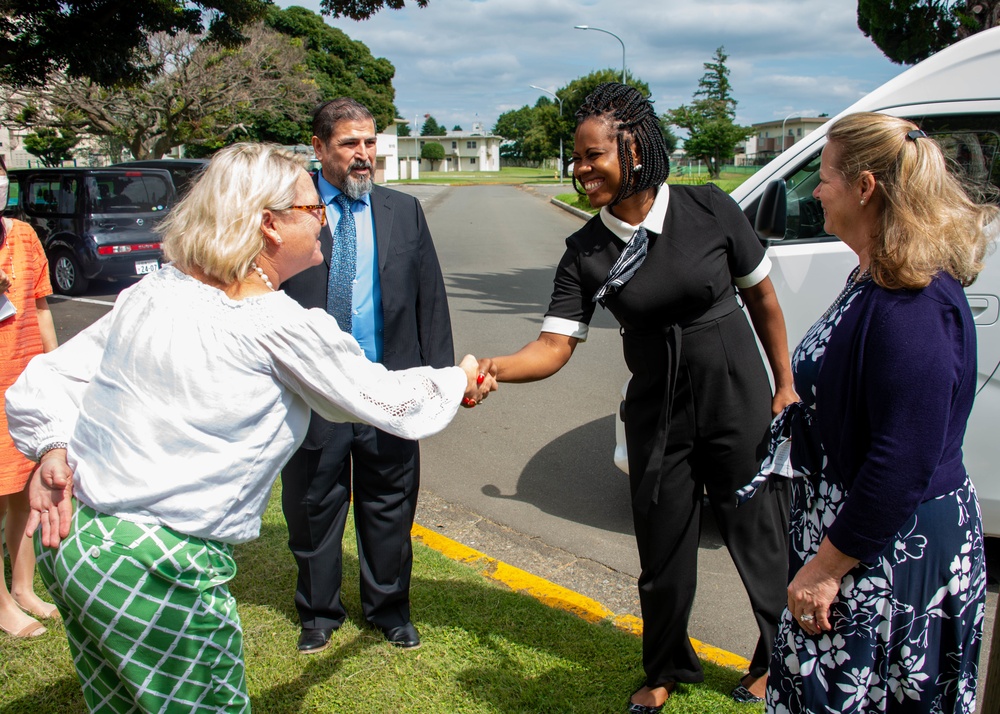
697	413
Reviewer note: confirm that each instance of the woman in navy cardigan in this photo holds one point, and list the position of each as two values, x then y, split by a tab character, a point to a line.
887	593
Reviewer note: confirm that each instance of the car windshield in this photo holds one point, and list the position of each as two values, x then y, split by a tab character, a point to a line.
131	192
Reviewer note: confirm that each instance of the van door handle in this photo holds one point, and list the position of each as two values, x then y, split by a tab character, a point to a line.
985	308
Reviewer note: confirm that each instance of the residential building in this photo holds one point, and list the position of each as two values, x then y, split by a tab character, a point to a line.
770	138
475	150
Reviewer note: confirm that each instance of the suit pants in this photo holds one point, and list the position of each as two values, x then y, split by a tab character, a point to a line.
316	494
717	437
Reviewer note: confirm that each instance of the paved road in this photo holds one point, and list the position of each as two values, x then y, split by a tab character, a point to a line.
527	477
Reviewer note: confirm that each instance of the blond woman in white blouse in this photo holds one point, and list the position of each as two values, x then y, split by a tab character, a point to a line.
161	428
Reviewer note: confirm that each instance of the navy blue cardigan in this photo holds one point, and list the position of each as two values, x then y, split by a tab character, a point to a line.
893	397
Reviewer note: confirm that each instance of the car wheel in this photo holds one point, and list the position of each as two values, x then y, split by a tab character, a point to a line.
67	276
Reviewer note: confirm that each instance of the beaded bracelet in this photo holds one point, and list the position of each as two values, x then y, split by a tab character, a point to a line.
49	447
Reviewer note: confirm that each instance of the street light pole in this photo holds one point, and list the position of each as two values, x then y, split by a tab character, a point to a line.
560	128
606	32
783	131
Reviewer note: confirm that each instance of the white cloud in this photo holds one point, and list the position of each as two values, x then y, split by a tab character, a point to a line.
469	60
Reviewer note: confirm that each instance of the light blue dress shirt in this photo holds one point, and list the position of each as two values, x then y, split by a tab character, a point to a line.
366	319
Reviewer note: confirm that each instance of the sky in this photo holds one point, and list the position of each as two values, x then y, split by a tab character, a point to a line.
466	61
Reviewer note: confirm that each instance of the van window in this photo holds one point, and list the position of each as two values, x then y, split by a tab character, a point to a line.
52	195
805	215
971	144
13	194
132	193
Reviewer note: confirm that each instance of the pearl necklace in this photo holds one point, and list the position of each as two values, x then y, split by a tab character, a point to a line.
852	281
262	274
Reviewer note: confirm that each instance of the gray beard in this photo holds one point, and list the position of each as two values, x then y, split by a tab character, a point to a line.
357	188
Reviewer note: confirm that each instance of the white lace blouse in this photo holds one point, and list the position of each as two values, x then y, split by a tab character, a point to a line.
181	406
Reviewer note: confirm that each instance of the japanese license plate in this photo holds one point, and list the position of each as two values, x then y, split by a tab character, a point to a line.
143	267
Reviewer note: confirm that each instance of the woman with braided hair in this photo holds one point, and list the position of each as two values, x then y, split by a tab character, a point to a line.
668	264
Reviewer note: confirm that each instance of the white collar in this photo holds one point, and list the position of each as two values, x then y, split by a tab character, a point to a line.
653	222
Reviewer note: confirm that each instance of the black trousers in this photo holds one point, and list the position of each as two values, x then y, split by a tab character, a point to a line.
717	436
316	493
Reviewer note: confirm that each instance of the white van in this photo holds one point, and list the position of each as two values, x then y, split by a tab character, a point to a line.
954	96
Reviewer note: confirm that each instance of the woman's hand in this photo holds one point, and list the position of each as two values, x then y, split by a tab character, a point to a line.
482	380
50	495
4	281
816	586
782	398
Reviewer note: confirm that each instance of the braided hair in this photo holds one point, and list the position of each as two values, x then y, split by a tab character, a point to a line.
632	118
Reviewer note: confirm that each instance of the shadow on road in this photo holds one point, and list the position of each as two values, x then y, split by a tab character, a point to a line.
525	291
552	480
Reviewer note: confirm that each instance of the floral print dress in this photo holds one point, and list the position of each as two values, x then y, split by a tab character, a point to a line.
907	628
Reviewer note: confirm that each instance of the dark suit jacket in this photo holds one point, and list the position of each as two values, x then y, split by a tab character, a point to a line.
414	304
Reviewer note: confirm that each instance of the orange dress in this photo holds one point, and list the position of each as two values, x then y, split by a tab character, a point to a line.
23	259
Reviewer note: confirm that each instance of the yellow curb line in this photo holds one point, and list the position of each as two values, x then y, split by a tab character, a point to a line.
555	595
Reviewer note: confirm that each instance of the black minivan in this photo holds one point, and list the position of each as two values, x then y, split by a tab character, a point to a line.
93	223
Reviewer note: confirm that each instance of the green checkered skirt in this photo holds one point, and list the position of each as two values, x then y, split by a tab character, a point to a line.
152	626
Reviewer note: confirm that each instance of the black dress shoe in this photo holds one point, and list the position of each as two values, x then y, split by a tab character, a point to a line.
314	639
405	636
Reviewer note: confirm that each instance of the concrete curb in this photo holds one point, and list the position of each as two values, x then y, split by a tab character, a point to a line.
555	595
572	209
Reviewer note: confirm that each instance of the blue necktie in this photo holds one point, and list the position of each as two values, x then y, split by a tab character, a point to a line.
626	265
343	266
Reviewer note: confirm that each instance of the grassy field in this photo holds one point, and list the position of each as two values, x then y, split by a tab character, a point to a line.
727	182
470	178
486	649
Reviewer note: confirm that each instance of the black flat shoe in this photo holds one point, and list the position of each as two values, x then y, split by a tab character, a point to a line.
405	636
634	708
744	696
314	639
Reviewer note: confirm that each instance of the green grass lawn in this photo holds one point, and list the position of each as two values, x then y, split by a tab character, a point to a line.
727	182
485	649
470	178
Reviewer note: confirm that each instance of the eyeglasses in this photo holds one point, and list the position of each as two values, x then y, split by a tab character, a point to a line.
313	210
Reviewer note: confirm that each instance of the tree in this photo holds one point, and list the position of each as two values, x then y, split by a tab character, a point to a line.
198	99
710	118
51	146
362	9
457	127
514	126
339	66
669	137
908	31
533	133
432	151
402	130
431	127
107	41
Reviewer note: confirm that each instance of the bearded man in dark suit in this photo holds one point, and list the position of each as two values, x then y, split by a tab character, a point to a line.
382	281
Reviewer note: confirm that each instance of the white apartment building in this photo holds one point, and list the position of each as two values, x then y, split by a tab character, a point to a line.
770	138
463	151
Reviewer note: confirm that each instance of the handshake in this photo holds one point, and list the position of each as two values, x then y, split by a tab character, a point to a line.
482	379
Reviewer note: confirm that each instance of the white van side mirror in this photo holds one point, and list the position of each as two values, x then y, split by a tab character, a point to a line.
772	211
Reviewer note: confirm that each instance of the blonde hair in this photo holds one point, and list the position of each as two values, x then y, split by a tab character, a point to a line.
216	227
928	222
